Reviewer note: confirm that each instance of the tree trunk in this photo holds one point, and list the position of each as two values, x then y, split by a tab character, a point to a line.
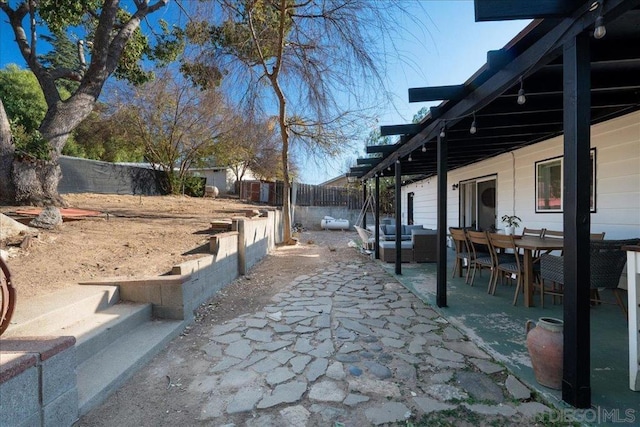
7	149
35	181
284	131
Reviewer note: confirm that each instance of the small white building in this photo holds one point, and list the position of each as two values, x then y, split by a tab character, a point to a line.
222	177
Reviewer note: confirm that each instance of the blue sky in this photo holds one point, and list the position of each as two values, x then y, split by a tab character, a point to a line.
454	47
447	50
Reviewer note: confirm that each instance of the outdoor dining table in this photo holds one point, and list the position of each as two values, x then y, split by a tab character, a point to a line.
531	244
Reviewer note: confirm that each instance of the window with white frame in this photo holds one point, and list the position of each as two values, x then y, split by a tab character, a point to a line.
549	183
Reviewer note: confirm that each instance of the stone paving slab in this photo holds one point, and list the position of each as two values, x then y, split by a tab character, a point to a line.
351	346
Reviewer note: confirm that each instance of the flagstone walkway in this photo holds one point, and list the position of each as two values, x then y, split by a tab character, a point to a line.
351	346
345	345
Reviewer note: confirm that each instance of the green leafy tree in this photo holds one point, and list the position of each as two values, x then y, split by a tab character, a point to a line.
103	135
23	99
421	114
314	63
110	43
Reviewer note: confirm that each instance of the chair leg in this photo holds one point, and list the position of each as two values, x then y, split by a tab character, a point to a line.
518	286
493	281
473	275
616	292
466	279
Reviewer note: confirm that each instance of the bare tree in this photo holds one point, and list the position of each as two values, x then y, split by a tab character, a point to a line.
317	62
176	123
251	146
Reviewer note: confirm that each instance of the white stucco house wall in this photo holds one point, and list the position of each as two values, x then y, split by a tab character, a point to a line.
616	144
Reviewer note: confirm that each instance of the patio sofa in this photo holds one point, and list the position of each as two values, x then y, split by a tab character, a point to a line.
388	231
421	247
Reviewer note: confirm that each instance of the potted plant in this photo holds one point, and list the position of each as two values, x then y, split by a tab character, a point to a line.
511	223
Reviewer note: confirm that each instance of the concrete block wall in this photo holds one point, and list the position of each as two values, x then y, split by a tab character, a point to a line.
254	236
191	283
38	382
209	274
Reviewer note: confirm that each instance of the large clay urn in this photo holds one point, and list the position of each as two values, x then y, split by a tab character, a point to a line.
545	342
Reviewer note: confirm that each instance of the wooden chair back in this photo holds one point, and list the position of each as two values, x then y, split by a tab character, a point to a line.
478	237
553	234
536	232
459	237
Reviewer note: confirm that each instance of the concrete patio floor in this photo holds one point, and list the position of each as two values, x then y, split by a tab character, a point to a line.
499	328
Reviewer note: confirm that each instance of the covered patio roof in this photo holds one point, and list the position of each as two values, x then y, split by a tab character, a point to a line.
531	61
572	77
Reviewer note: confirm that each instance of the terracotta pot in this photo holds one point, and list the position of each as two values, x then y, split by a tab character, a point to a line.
545	342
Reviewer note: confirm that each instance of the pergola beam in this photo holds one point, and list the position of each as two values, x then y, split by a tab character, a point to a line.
500	10
384	149
541	52
406	129
437	93
369	161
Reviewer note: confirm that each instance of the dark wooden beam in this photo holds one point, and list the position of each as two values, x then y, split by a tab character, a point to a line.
502	10
441	218
377	230
435	112
369	161
437	93
356	169
398	218
384	149
541	52
576	381
364	209
496	59
407	129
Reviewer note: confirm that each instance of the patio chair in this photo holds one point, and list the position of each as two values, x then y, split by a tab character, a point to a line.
536	232
463	253
480	256
507	262
607	260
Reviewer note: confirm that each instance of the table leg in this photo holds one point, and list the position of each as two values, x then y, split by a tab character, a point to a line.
528	278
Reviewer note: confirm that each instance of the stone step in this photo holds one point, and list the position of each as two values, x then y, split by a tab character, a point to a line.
97	331
50	314
104	372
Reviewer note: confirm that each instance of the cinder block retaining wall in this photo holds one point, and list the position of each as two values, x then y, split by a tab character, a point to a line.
38	382
37	374
178	295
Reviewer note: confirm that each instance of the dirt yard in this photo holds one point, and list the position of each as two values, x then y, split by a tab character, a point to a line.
141	236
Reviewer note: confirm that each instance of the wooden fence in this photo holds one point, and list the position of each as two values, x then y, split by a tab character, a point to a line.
306	194
316	195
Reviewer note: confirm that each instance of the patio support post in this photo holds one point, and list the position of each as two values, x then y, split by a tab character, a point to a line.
441	253
364	204
376	232
398	222
576	385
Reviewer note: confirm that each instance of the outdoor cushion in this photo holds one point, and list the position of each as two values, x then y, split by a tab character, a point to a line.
388	232
392	245
406	229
